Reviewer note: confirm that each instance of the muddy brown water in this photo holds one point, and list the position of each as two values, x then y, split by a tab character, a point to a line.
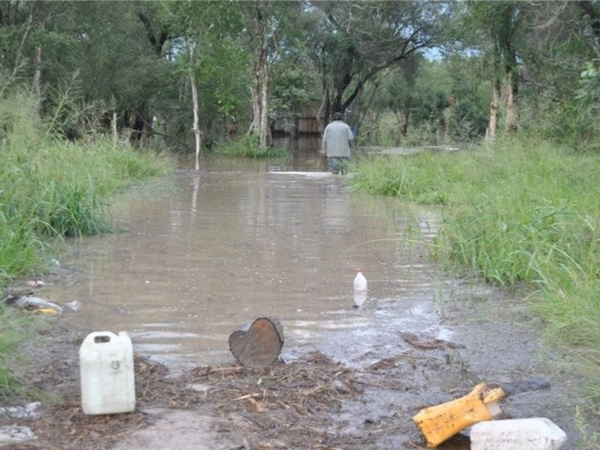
202	252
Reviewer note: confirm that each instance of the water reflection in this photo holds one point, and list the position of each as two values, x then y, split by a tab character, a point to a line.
360	297
303	154
208	251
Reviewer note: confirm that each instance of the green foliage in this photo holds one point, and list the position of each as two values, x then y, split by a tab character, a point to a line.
219	63
408	177
348	59
68	115
421	94
248	147
19	126
54	189
51	189
13	330
519	213
93	59
572	120
19	245
584	109
72	210
291	88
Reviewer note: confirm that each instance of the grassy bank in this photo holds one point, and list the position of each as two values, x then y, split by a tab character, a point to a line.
51	189
517	213
59	189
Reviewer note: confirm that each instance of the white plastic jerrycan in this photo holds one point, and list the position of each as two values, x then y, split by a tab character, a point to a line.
107	373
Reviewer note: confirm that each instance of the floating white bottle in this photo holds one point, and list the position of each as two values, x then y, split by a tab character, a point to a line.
360	282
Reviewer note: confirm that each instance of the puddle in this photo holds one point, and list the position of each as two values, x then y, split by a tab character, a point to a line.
205	252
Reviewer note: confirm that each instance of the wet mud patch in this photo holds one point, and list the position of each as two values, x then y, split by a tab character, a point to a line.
314	400
295	405
311	402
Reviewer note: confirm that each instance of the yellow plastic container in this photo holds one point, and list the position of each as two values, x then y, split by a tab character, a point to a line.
49	311
441	422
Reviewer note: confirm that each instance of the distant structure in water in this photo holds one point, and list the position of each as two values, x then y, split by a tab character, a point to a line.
300	133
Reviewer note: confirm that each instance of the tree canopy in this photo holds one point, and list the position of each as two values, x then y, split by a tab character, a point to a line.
426	66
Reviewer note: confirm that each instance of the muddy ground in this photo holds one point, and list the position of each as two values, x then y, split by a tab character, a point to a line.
313	402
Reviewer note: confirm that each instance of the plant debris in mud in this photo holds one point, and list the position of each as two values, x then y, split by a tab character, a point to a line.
290	405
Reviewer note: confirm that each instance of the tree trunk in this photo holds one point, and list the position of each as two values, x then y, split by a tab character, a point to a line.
445	120
260	82
253	128
492	130
37	74
263	85
443	127
196	127
512	113
115	133
257	344
37	56
405	123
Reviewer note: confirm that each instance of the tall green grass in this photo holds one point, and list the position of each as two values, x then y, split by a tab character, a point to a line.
59	189
14	328
51	189
519	213
410	177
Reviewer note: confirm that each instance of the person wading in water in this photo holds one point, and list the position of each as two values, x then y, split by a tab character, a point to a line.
336	142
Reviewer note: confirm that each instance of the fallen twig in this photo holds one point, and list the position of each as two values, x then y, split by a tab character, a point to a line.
244	397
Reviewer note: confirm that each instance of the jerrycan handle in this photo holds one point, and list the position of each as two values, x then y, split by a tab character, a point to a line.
99	338
101	341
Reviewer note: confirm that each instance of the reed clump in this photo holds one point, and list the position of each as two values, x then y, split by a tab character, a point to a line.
58	189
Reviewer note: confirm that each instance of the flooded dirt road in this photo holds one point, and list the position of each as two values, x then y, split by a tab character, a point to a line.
201	253
205	252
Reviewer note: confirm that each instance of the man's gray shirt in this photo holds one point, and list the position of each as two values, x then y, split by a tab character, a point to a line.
337	138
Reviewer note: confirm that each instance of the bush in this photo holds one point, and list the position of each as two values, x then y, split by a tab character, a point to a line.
248	147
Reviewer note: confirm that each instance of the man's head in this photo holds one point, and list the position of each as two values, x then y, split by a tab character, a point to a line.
337	116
